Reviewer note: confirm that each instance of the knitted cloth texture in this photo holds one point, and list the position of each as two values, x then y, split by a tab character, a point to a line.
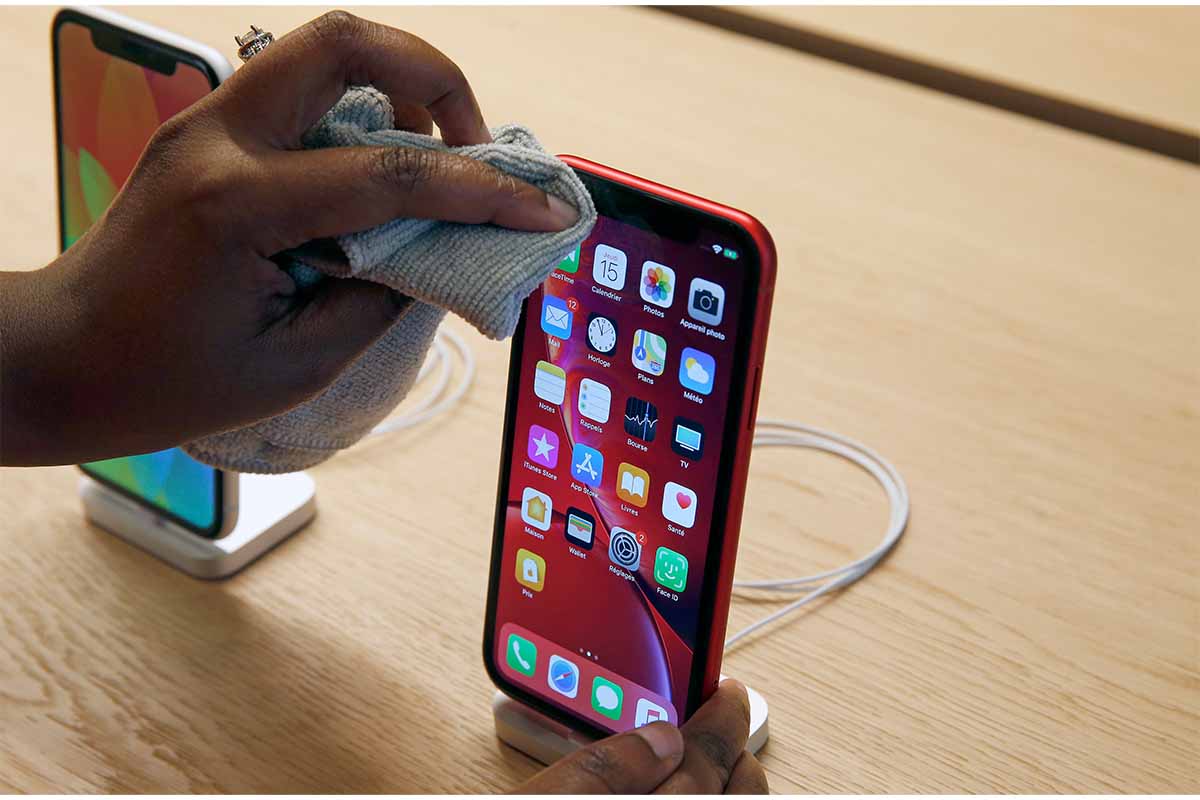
482	273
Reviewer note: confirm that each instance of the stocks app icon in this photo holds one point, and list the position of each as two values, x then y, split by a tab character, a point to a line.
624	550
641	419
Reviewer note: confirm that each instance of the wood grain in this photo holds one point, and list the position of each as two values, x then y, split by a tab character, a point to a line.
1004	308
1134	60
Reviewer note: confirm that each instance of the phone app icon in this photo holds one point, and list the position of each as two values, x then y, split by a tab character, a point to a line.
658	284
550	383
521	654
670	569
649	352
633	484
570	262
706	301
563	676
602	334
542	447
648	711
687	438
595	400
536	508
696	370
607	697
608	267
679	504
624	549
581	528
531	572
556	317
587	465
641	419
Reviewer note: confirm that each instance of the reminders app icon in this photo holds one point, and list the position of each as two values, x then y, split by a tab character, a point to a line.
556	317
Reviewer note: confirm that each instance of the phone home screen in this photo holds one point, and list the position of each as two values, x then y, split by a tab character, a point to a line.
626	370
108	109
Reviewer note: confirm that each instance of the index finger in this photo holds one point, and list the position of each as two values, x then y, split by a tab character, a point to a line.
285	89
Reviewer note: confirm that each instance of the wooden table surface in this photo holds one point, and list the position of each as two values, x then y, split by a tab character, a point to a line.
1004	308
1138	61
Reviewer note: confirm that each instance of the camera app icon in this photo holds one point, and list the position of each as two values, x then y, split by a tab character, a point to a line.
706	301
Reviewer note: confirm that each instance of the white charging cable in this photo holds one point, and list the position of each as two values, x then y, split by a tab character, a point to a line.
768	433
780	433
438	401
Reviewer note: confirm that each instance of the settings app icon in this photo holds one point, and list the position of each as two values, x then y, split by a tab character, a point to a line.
624	550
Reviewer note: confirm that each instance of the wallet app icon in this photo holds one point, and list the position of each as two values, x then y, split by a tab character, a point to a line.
556	317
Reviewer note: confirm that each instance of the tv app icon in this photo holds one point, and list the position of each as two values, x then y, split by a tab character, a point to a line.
563	676
581	528
687	438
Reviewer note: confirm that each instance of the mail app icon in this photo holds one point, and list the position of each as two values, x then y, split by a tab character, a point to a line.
556	317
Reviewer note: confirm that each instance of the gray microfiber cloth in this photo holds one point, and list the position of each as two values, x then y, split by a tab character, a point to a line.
480	272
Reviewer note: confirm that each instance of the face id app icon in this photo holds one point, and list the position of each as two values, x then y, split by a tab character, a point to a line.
563	676
556	317
521	654
633	484
670	569
608	267
595	400
587	465
706	301
641	419
536	508
531	570
649	352
687	438
696	371
550	383
658	284
648	711
679	504
542	446
581	528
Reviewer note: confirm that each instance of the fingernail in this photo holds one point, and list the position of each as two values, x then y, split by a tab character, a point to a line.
562	212
664	739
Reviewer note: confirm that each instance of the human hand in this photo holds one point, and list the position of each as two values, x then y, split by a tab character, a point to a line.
169	321
706	756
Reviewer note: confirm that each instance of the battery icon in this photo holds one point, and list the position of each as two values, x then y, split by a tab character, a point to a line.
731	253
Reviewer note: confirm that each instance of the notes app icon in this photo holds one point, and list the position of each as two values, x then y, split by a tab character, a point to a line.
633	484
550	383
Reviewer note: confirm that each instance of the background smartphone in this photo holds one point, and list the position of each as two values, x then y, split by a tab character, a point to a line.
632	389
115	81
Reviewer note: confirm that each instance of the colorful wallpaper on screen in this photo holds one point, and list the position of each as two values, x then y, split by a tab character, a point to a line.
109	108
621	639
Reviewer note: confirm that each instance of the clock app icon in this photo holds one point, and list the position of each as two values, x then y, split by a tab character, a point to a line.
602	334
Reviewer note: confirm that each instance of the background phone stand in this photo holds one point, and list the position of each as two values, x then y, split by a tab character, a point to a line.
546	740
270	508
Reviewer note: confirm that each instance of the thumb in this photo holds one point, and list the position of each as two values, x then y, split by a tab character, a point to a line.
629	763
340	321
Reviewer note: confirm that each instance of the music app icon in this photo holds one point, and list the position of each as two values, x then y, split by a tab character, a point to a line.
648	711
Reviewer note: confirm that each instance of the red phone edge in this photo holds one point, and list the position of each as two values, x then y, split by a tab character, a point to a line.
755	358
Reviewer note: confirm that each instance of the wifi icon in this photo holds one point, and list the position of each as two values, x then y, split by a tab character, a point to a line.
716	248
641	419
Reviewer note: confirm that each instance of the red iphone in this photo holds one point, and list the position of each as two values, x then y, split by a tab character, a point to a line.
631	398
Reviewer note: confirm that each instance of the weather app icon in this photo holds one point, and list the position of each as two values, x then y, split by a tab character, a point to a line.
696	370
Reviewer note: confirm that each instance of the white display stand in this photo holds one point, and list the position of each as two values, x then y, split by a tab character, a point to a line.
546	740
270	508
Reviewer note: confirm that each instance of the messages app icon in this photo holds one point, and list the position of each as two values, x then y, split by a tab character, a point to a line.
607	697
